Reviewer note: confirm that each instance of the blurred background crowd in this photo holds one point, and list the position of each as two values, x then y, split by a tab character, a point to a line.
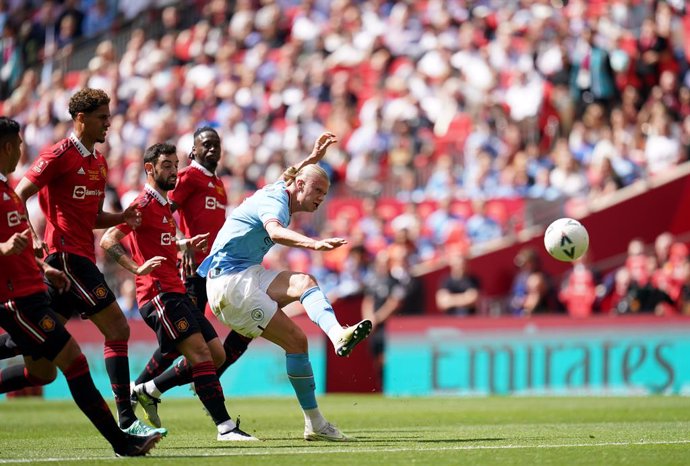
456	118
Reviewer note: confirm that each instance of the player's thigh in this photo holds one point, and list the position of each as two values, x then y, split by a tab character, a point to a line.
288	287
285	333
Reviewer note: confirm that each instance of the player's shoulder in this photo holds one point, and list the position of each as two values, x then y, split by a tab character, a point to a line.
58	149
144	200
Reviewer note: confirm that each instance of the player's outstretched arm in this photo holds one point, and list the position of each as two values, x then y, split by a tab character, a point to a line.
112	244
320	146
281	235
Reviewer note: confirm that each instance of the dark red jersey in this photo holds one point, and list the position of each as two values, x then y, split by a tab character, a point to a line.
72	186
19	273
201	201
154	237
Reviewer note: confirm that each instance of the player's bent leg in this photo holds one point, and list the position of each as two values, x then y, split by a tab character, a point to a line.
208	389
285	333
115	328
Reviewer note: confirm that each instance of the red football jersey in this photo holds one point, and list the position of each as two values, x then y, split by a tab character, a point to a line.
201	200
72	186
19	273
154	237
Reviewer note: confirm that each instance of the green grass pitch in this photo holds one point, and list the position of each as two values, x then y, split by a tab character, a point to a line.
390	431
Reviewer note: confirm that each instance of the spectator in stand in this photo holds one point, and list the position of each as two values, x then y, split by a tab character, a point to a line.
531	292
481	227
459	292
578	290
390	289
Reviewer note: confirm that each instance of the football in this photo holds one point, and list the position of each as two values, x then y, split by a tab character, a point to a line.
566	239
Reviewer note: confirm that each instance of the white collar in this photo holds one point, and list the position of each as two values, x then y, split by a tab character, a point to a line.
152	191
201	168
3	178
80	147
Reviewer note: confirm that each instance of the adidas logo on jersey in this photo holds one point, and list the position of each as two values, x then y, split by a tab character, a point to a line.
210	185
165	219
5	197
81	171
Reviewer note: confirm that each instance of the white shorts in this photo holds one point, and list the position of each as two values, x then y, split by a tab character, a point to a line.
239	300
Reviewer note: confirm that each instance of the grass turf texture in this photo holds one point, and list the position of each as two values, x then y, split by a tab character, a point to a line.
390	431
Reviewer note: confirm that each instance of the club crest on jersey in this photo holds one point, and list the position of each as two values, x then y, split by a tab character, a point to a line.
47	324
100	291
211	203
39	166
13	218
182	325
257	314
166	239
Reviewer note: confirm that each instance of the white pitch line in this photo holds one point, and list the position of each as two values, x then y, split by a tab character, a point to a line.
318	451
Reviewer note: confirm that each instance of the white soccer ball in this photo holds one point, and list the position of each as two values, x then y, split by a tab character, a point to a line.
566	239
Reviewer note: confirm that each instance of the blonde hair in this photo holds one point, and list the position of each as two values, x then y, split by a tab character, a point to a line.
308	171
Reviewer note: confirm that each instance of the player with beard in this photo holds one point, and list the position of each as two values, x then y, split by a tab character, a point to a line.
27	316
200	200
70	180
161	294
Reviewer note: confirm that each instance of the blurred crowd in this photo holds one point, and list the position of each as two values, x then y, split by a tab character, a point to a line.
433	101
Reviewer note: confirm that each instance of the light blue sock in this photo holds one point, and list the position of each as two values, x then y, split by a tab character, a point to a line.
302	379
319	309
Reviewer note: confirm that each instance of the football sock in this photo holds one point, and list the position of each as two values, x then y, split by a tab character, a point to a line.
90	401
209	391
301	377
152	388
234	345
179	374
117	366
8	348
321	312
156	366
17	377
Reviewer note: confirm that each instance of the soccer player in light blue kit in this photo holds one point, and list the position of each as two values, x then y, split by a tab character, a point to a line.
249	298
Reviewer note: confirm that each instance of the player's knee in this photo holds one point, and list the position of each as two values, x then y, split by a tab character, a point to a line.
42	375
306	282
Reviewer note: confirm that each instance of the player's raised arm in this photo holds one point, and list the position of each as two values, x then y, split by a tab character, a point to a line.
320	146
112	243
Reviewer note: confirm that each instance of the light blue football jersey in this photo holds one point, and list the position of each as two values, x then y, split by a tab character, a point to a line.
243	240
